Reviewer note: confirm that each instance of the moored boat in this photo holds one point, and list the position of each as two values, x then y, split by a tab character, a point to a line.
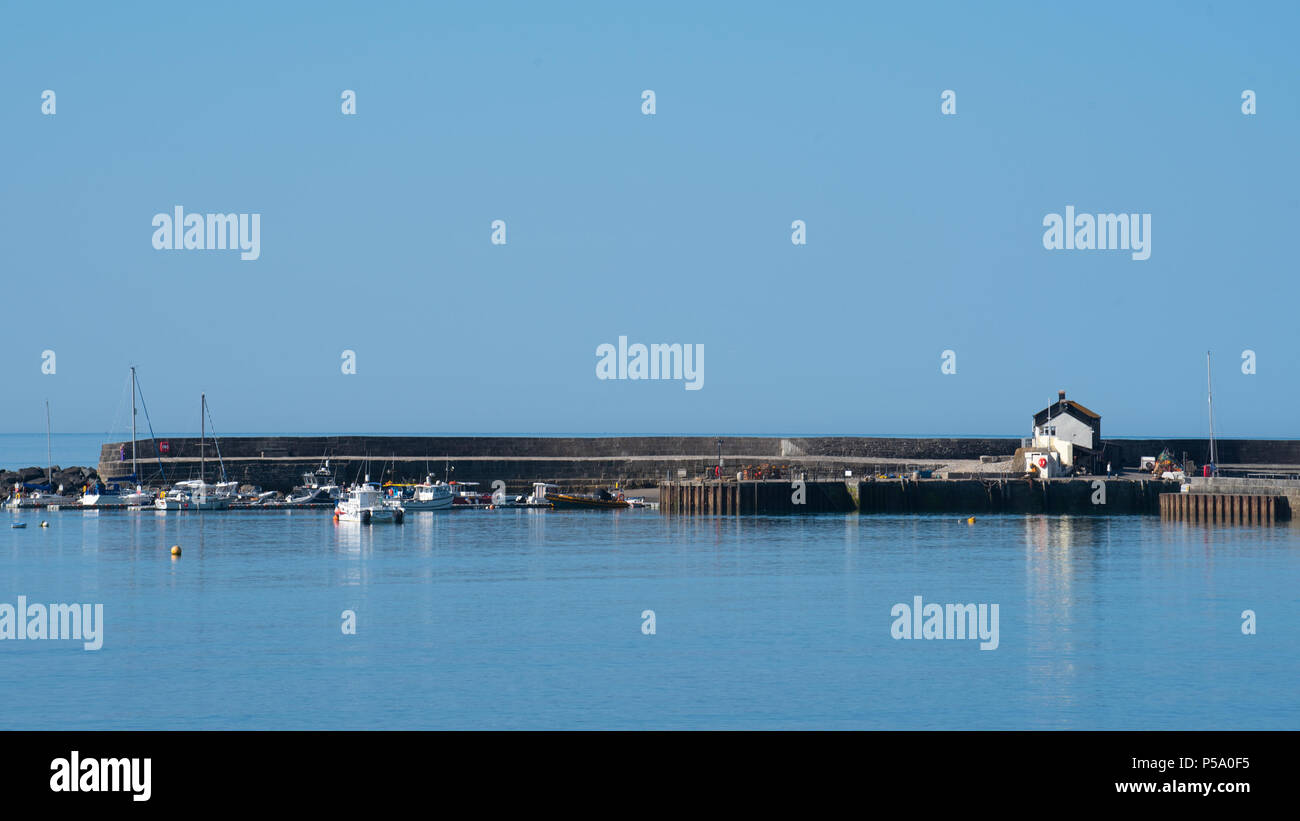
466	494
604	500
318	488
428	495
196	494
38	498
112	494
366	504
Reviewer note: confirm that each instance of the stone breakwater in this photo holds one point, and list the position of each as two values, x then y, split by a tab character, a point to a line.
72	479
278	462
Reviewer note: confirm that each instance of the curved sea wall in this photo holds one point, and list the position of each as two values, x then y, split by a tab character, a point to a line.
278	462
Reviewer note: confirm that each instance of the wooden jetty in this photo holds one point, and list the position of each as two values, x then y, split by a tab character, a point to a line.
1224	508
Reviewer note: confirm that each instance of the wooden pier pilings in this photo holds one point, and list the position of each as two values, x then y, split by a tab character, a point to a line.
1224	508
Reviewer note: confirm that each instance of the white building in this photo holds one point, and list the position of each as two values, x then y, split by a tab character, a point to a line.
1068	421
1067	428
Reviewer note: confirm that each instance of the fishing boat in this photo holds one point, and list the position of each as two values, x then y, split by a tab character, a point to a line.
428	495
604	500
317	488
365	503
467	495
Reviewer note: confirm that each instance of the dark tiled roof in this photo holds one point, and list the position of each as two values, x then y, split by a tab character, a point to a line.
1068	406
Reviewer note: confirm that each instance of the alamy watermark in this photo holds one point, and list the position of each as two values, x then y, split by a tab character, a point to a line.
53	622
946	621
77	774
179	231
1100	232
654	361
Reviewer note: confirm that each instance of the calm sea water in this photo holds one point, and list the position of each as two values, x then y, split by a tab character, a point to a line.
533	619
20	450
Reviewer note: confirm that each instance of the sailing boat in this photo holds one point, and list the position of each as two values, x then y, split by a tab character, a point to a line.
197	494
42	496
1212	469
113	494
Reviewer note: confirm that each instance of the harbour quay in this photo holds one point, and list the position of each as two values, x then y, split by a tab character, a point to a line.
749	473
905	495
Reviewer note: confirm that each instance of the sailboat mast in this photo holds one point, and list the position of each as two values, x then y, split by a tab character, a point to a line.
135	470
49	458
203	431
1209	394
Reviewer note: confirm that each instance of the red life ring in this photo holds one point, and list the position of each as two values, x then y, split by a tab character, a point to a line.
1042	461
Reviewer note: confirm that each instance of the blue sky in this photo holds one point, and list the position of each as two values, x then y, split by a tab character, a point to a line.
924	230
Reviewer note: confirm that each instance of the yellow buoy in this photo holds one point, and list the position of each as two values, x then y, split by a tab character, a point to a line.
970	521
176	550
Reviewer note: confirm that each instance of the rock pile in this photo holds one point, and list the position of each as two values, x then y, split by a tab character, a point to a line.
73	479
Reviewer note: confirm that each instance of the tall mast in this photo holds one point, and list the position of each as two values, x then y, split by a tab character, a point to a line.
203	431
49	459
135	470
1209	394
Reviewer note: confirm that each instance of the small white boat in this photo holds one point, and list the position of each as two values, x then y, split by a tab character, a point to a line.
38	498
113	495
538	496
366	504
177	498
196	494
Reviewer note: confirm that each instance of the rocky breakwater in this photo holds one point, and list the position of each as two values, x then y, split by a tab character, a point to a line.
72	479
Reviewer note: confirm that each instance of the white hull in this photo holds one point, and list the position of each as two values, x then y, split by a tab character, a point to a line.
366	505
116	499
186	500
40	500
443	503
368	515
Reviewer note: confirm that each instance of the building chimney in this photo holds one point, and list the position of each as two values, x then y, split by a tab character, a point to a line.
1060	396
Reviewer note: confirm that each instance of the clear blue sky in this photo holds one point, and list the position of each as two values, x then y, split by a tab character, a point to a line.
924	231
